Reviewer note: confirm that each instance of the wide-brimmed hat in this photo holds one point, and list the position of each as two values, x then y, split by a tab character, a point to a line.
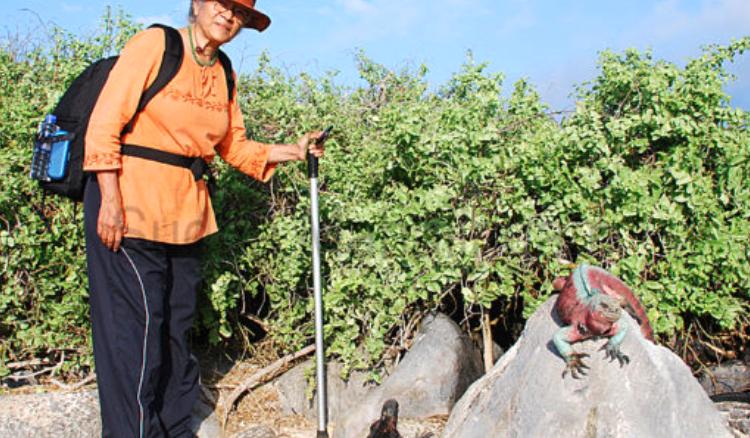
259	20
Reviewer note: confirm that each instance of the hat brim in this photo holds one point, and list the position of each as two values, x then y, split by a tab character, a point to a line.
259	21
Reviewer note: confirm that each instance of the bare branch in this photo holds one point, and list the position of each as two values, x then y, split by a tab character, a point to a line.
90	378
27	364
268	373
53	370
256	320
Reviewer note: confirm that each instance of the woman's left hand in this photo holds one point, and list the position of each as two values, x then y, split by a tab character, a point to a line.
309	143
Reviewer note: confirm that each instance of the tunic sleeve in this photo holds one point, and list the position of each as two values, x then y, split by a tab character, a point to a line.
248	156
136	68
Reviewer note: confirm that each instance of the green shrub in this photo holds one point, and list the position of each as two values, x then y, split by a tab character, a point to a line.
43	296
427	198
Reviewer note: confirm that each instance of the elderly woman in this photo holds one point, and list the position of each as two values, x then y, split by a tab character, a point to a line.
145	219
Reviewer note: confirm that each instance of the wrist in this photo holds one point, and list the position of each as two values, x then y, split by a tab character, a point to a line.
300	151
111	203
111	200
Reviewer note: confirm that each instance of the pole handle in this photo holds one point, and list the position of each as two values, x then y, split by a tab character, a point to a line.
312	166
312	160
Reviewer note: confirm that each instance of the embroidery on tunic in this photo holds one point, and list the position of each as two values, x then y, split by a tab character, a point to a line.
102	160
196	101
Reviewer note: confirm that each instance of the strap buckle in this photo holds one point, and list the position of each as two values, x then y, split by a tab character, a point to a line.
199	168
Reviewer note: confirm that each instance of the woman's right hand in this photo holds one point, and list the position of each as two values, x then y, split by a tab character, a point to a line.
110	226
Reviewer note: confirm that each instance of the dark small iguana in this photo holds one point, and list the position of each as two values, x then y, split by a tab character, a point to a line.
386	426
590	304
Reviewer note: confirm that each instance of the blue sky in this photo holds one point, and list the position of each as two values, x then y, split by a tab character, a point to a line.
553	43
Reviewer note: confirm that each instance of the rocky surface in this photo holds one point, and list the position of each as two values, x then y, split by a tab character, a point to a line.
428	382
525	395
72	414
259	431
50	415
737	416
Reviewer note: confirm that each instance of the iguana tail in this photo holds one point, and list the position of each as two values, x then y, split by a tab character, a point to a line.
611	285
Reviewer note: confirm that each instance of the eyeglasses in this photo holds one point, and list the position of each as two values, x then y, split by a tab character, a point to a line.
238	12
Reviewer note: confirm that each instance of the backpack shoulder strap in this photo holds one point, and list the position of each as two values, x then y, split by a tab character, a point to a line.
170	65
226	63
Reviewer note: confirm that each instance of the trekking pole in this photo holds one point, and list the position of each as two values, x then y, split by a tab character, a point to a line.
312	173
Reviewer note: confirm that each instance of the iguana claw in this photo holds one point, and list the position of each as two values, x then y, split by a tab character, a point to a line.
613	352
575	365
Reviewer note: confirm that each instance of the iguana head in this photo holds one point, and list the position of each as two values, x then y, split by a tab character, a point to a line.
610	308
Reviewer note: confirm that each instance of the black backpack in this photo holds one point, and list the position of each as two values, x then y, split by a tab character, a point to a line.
74	110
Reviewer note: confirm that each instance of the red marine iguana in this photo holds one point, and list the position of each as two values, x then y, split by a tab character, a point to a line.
590	304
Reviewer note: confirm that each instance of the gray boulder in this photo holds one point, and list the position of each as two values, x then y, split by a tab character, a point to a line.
524	395
205	423
433	375
342	394
730	377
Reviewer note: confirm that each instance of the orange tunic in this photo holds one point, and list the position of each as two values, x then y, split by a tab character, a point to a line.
191	117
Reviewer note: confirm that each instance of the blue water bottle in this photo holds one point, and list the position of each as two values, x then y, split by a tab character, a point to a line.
43	148
58	158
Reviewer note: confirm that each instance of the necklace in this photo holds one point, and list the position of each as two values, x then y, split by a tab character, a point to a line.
211	62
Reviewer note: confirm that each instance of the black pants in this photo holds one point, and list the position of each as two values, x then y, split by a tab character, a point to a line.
142	304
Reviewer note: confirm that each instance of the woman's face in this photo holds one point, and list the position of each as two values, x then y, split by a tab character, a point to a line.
219	20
